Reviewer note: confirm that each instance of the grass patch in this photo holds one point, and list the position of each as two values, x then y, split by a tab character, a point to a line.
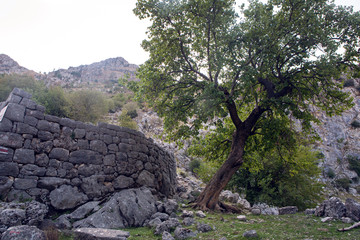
298	226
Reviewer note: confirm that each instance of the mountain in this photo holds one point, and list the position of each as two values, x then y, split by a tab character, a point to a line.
109	70
9	66
99	73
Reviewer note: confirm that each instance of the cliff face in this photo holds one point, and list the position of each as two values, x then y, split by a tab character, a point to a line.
100	72
9	66
340	137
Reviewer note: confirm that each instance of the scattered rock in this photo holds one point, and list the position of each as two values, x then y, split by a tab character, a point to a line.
256	211
154	222
171	206
23	232
202	227
200	214
183	233
12	217
161	216
326	219
288	210
188	221
266	209
310	211
100	234
241	218
347	220
187	214
250	234
167	236
168	225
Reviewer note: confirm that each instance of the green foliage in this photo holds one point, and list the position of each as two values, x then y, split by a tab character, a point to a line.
330	173
9	82
343	183
349	83
87	105
278	169
131	108
126	121
355	124
54	100
354	163
194	165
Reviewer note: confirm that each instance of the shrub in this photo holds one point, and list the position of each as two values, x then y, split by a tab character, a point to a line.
355	124
126	121
133	114
343	183
349	83
354	163
194	165
330	173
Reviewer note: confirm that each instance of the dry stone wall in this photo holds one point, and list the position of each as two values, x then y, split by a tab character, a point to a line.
66	163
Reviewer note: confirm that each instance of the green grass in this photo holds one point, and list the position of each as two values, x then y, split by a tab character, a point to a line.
298	226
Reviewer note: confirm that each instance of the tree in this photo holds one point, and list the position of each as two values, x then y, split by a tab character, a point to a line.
206	63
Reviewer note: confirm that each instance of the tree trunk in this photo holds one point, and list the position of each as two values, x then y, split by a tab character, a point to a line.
209	198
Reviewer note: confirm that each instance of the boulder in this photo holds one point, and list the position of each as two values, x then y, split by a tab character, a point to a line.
100	234
67	197
167	236
168	225
35	213
128	208
202	227
183	233
333	207
288	210
188	221
12	217
352	209
23	232
250	234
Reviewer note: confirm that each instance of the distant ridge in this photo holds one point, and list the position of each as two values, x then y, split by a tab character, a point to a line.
108	70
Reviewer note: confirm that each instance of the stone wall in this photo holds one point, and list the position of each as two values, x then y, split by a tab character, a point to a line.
52	159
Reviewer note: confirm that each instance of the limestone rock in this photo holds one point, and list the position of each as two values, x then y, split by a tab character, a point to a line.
250	234
167	236
100	234
183	233
333	207
202	227
23	232
67	197
288	210
12	217
352	209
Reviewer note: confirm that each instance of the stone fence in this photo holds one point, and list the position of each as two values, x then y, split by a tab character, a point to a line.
53	159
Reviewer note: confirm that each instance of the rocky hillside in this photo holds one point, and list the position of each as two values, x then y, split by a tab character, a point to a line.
9	66
99	73
109	70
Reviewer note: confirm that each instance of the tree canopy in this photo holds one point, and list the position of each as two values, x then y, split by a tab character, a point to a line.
269	61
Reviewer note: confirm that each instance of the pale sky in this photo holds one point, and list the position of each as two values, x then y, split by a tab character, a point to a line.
43	35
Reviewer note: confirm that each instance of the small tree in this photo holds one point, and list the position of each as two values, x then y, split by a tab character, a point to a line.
275	60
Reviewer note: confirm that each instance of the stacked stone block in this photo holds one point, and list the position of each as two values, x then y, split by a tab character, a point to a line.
45	157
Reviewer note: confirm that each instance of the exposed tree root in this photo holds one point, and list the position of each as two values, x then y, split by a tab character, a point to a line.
349	228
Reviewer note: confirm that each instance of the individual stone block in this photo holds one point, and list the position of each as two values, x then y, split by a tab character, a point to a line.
45	136
24	128
99	146
21	93
15	112
123	182
6	154
24	156
12	140
32	170
52	118
32	121
28	103
79	133
66	122
42	160
9	169
146	179
85	156
51	183
36	114
5	125
23	184
60	154
109	160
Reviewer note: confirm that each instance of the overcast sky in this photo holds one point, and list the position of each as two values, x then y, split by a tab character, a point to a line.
43	35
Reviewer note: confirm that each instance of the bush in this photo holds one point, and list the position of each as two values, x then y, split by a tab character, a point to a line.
355	124
194	165
126	121
132	114
354	163
330	173
343	183
349	83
